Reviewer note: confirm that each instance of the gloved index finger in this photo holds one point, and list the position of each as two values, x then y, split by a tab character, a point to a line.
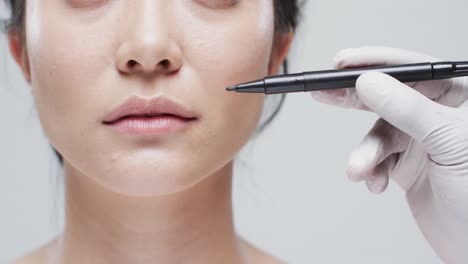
374	56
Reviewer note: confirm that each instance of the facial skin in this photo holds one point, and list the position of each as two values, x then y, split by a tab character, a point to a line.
164	199
77	54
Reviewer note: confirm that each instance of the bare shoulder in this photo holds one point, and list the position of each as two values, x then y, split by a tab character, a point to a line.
257	255
37	256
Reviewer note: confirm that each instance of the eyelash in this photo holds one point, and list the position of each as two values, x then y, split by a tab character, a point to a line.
214	4
217	4
86	3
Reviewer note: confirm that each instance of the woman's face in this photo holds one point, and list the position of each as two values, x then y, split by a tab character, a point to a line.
87	57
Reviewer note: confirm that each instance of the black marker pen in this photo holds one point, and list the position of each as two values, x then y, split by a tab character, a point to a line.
334	79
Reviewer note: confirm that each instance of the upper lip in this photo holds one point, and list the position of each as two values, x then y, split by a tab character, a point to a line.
137	106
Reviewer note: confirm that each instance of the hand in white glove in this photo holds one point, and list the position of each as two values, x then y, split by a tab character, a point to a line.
421	142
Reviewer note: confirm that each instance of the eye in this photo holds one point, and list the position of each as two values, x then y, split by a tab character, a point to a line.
86	3
217	3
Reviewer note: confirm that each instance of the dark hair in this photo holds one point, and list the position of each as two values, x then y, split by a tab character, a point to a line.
286	19
16	20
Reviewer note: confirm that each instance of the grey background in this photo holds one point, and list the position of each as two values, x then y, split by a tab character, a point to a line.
291	195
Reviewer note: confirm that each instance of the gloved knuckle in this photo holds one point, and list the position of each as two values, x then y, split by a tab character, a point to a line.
448	142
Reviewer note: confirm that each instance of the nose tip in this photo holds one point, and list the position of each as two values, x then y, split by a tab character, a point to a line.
148	42
149	52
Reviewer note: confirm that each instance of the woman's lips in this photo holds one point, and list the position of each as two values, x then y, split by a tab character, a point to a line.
151	125
154	116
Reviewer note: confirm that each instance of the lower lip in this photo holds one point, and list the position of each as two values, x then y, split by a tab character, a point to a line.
151	126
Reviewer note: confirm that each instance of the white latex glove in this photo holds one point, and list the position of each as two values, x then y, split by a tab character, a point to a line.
421	142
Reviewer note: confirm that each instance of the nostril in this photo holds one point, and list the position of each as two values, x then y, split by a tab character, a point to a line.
131	64
135	66
165	63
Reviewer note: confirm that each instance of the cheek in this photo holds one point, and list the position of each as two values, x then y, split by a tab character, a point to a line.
236	50
69	74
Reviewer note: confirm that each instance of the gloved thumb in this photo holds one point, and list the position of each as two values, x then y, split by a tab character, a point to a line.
401	106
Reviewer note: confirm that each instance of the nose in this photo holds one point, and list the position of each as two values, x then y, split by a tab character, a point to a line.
147	46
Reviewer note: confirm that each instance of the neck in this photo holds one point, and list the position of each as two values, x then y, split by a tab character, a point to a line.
193	226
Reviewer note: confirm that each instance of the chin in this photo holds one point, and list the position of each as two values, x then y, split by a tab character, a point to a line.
150	181
149	177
